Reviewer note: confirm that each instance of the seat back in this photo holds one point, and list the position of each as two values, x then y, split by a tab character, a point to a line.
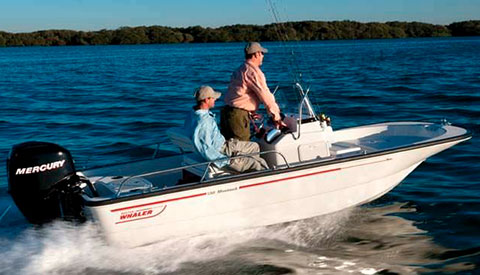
178	137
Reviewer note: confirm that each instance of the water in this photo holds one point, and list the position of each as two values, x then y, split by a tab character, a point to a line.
101	101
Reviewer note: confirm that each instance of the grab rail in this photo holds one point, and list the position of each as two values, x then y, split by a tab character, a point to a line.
305	99
207	163
300	107
248	156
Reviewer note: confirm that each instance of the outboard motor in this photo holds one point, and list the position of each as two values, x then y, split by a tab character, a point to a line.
43	182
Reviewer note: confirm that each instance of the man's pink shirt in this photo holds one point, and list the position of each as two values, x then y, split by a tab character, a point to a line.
248	88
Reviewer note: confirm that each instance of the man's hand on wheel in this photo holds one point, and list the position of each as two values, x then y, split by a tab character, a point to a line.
279	124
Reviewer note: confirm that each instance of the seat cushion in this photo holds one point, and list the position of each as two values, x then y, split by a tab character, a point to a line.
199	170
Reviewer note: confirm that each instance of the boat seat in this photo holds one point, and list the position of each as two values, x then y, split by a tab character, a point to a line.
178	137
213	170
190	156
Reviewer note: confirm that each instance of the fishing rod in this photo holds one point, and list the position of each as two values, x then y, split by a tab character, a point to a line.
294	64
283	38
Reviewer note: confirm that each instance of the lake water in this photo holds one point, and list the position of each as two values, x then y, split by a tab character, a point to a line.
101	101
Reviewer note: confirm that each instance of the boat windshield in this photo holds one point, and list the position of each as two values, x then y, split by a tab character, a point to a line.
293	96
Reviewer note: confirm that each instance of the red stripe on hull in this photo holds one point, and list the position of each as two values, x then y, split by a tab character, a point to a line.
158	202
289	178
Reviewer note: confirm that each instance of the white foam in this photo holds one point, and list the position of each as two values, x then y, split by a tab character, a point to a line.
311	232
368	271
67	249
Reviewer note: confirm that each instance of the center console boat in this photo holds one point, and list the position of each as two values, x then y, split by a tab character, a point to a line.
313	170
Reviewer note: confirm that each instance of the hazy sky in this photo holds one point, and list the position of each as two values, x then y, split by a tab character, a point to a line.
32	15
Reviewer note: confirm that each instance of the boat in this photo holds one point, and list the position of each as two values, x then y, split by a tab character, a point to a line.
313	171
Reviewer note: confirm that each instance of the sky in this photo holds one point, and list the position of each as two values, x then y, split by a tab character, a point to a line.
90	15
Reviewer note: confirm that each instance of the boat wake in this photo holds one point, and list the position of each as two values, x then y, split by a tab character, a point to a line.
362	240
64	248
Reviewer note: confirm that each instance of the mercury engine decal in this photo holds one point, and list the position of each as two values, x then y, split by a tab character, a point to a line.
140	214
40	168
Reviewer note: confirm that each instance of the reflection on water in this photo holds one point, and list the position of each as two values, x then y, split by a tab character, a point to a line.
365	240
358	241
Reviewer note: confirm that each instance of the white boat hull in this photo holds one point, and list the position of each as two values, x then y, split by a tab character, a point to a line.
258	201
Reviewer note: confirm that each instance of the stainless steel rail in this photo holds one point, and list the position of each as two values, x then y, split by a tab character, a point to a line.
207	164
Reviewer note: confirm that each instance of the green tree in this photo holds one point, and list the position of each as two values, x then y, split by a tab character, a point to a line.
159	34
102	37
3	41
465	28
302	30
127	35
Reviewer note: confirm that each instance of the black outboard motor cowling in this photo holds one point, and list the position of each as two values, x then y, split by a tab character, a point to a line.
42	181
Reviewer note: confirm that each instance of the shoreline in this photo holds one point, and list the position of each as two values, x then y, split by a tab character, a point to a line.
288	31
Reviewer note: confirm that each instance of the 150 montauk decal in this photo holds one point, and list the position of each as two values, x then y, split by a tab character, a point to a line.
140	214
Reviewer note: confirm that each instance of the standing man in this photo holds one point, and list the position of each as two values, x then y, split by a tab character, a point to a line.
210	143
248	88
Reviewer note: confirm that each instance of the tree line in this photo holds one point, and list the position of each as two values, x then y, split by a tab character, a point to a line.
303	30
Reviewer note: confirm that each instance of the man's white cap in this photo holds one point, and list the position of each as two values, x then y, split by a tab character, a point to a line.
253	47
205	92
